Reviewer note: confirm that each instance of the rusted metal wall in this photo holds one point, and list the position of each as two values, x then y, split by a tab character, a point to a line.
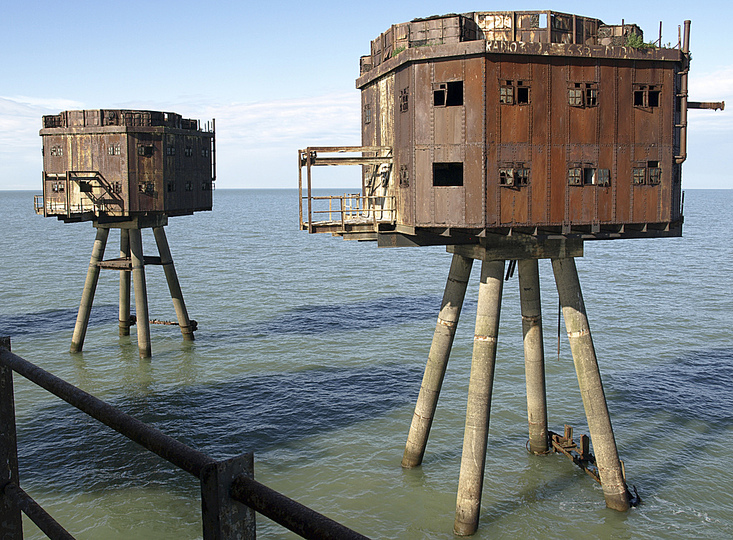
134	161
610	133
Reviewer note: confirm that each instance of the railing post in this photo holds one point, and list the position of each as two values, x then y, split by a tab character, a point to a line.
308	163
300	187
11	523
223	517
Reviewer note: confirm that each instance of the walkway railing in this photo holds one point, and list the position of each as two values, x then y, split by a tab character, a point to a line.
364	210
229	493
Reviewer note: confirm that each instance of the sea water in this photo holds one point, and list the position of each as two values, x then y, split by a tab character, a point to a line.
310	352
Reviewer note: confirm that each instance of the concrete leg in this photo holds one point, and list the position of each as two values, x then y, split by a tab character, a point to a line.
534	354
124	312
90	287
445	330
591	387
141	293
173	286
475	439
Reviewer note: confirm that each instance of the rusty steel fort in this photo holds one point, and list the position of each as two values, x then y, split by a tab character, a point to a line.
513	136
539	123
127	170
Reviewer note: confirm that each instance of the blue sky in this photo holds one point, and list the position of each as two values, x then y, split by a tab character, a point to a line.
278	76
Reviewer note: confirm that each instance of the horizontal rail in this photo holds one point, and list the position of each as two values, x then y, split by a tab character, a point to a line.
341	149
182	456
320	161
287	512
36	513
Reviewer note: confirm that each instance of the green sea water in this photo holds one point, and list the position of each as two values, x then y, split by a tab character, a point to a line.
310	353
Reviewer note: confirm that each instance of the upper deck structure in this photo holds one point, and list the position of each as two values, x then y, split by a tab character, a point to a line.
113	165
532	122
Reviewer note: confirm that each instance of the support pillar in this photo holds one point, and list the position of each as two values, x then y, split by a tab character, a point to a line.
473	459
173	285
141	293
445	331
124	311
591	387
534	354
90	287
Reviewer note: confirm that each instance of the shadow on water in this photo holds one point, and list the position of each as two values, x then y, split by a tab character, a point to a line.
53	320
327	318
688	401
62	449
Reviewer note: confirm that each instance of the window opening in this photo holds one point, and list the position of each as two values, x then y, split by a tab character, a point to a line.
655	173
367	113
575	97
653	98
404	99
583	95
514	175
639	176
506	95
448	174
506	176
589	176
145	150
455	94
448	94
646	97
603	177
439	96
146	187
404	176
522	94
574	176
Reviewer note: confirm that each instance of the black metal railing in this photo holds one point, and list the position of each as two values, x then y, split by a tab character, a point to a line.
230	494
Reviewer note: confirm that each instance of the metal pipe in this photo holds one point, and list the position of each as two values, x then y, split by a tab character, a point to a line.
308	163
213	150
475	438
591	386
36	513
683	94
712	105
173	285
445	331
124	309
534	354
141	293
296	517
90	287
182	456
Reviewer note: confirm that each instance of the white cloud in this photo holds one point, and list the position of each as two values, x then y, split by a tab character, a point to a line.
273	130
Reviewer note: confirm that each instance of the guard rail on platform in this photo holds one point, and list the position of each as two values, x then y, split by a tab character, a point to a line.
229	493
